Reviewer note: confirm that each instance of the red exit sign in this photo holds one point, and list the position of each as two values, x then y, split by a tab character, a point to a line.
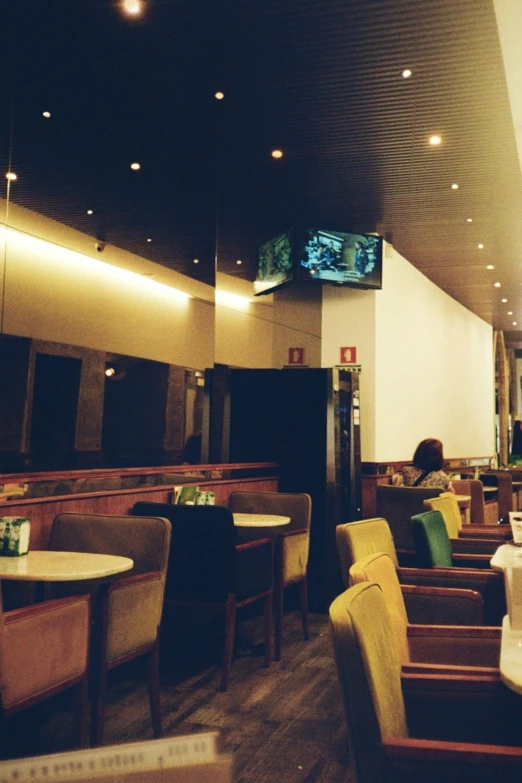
348	355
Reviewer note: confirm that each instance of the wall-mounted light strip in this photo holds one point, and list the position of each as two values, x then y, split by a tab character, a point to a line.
232	300
35	246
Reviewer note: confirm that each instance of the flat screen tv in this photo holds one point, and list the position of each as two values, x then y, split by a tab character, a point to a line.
319	256
274	264
339	258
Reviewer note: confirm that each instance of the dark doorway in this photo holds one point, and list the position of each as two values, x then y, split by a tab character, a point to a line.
55	404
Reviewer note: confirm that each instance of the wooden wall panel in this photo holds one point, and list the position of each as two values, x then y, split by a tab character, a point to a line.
42	511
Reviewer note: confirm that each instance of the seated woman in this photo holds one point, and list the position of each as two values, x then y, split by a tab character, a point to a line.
426	470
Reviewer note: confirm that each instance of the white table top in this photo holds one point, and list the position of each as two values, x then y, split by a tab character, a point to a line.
511	657
260	520
507	556
50	566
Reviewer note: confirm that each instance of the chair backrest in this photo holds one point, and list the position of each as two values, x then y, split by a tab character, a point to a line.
449	508
475	489
202	564
296	505
380	569
146	541
369	673
356	540
397	505
432	543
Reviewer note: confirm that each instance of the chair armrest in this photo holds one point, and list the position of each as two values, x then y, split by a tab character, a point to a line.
474	546
253	544
455	645
44	646
471	561
133	614
434	760
494	532
26	612
297	532
442	605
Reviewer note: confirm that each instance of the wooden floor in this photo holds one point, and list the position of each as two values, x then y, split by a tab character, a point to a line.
282	724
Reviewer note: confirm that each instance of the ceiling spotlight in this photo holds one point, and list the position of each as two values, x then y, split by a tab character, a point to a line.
131	7
497	285
469	220
135	166
514	323
219	95
11	176
90	212
149	239
454	186
504	300
196	261
277	154
406	73
46	114
510	312
435	140
239	262
480	246
110	371
490	266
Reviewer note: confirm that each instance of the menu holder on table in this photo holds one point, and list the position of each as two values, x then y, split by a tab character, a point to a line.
189	759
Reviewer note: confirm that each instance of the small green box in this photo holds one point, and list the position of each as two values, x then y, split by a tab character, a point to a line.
14	536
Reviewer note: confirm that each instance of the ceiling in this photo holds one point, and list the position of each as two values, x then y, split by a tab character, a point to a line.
322	81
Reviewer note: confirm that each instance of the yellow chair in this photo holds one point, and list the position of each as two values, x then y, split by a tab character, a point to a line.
292	545
44	649
437	604
382	706
428	645
128	611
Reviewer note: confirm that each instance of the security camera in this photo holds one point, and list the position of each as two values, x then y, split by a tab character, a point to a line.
100	247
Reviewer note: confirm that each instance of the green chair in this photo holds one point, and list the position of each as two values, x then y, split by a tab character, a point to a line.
417	728
448	507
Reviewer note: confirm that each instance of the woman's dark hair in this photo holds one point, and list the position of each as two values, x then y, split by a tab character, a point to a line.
428	455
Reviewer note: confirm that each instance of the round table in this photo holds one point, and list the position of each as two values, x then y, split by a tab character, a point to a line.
260	520
51	566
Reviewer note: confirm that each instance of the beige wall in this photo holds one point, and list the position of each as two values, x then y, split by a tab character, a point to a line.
244	324
297	324
59	295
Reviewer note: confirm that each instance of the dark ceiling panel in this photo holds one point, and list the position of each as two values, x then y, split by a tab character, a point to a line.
321	80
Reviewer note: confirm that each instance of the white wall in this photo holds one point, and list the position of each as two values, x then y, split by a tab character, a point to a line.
434	369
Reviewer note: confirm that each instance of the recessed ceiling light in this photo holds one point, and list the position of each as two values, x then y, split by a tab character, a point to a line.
469	220
435	140
504	300
149	239
135	166
490	266
239	262
406	73
497	285
510	312
196	261
454	186
277	154
132	7
11	176
46	114
514	323
219	95
109	372
90	212
480	246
